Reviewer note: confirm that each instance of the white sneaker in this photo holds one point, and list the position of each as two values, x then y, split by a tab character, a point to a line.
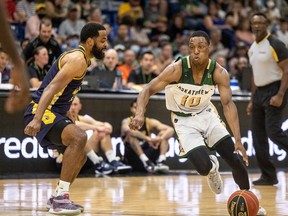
261	211
214	179
161	168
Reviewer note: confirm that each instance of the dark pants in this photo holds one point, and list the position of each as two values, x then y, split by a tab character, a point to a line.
133	159
266	122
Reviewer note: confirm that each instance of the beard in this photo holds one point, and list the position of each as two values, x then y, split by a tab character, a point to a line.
97	52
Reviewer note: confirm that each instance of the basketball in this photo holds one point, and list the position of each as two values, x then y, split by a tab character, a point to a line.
243	203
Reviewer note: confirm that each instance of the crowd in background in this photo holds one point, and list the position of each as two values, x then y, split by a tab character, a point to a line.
144	35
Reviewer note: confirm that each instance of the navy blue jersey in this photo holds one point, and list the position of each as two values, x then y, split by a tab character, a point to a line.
62	100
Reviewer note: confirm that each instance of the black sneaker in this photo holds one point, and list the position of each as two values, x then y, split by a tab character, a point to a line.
103	168
264	181
149	166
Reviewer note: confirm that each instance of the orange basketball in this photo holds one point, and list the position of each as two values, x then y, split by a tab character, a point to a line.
243	202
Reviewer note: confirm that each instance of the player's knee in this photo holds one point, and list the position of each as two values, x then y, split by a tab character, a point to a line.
204	170
80	139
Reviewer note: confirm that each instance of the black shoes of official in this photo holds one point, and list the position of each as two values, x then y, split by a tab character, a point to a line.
264	181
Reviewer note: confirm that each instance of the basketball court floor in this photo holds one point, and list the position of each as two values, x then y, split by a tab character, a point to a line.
176	194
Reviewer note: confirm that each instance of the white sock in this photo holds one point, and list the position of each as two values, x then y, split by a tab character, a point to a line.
62	187
93	157
161	158
110	155
143	158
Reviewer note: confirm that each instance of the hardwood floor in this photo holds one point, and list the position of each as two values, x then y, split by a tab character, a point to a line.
152	195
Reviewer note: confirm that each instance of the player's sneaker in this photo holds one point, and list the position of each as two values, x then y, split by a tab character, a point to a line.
261	211
120	167
161	167
149	166
214	179
103	168
50	201
61	205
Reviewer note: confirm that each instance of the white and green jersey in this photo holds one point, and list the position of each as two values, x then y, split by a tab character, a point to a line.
186	97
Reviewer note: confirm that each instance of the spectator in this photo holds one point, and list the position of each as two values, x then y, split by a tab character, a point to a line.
25	9
217	47
122	36
107	72
165	57
269	59
45	39
131	9
98	140
57	11
142	75
129	64
33	23
282	33
243	32
4	67
142	151
38	68
153	10
72	25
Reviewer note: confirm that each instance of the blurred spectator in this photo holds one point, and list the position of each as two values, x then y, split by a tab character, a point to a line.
11	10
243	32
273	14
120	49
56	10
25	9
282	33
131	9
142	151
107	72
241	65
4	67
194	12
84	7
153	10
162	28
71	42
212	20
221	60
33	23
72	25
23	43
38	68
95	15
142	75
217	48
122	36
128	65
165	57
139	34
177	28
240	51
183	50
45	39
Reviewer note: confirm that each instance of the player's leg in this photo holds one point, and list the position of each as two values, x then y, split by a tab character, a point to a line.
225	149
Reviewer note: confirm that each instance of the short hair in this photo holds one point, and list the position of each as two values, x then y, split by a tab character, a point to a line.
36	51
146	52
90	30
260	14
201	34
45	22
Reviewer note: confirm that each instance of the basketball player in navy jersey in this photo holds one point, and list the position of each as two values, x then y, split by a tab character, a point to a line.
19	96
46	119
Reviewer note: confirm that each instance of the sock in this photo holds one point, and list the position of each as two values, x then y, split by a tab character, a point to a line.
161	158
110	155
93	157
143	158
62	187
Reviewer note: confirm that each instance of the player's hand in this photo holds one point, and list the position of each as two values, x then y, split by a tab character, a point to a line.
239	147
249	108
32	128
136	122
276	100
155	142
17	100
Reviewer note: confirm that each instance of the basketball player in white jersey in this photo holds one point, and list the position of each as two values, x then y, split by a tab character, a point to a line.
189	84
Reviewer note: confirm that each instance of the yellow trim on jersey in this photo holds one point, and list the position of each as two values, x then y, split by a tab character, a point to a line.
275	56
188	62
56	97
209	63
263	38
48	117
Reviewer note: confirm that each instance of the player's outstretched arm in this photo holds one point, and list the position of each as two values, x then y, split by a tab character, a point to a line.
20	95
